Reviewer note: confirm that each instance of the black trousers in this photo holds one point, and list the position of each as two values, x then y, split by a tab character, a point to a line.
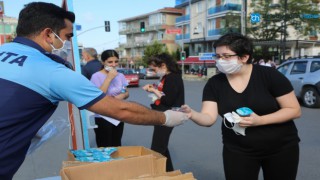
282	165
107	134
160	141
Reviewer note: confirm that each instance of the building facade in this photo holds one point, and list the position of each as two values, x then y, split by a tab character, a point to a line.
7	29
204	21
155	25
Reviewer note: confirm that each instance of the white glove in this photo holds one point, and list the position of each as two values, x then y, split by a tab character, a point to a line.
175	118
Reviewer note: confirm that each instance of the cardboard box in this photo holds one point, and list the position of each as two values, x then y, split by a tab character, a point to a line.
132	151
114	170
173	175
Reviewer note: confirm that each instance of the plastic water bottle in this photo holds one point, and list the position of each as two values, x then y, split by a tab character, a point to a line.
123	90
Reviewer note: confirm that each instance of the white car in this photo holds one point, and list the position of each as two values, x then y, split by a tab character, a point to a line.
304	75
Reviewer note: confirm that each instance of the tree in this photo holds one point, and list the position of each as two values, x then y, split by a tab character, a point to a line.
233	23
300	15
154	49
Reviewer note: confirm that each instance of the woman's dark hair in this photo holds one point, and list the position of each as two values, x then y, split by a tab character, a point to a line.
165	58
108	53
37	16
237	43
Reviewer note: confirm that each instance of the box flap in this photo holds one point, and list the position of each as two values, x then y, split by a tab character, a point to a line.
117	170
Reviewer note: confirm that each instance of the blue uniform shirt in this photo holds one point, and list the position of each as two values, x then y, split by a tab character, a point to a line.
32	82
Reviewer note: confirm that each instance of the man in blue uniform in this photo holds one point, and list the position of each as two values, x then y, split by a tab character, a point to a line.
33	81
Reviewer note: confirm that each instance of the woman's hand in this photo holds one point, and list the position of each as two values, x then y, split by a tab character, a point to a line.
148	88
112	74
252	120
186	109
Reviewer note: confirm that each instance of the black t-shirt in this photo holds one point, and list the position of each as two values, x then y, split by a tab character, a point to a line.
264	86
173	89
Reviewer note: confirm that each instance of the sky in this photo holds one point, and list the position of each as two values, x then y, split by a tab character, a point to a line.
92	13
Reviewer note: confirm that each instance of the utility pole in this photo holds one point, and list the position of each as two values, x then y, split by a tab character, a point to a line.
284	31
243	17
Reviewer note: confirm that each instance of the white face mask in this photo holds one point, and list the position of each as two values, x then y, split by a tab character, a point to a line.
64	51
234	119
108	68
228	66
65	44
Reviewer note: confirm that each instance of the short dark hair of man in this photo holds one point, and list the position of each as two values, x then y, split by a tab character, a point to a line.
37	16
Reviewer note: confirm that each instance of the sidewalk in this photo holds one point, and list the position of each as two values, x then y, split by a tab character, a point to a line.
192	77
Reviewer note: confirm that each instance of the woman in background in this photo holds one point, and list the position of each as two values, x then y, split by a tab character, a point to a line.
109	131
169	93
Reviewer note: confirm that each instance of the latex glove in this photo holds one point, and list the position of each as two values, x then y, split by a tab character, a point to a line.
175	118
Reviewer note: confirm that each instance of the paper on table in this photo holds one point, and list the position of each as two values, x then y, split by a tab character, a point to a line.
111	120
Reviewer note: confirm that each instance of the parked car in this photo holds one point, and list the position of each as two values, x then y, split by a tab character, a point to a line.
147	73
131	76
304	75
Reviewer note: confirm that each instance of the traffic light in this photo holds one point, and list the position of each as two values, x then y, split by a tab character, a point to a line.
107	26
142	27
183	55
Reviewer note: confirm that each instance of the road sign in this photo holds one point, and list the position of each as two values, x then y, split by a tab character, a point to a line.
174	31
206	56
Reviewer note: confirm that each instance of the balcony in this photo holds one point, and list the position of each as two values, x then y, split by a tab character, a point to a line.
227	7
179	2
222	31
182	36
183	18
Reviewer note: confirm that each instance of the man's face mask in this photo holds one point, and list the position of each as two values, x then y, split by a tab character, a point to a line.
64	51
65	44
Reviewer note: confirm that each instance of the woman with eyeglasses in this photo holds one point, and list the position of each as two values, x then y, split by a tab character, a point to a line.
258	106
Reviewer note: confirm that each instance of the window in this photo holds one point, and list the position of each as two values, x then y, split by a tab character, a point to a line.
212	3
315	66
299	67
199	7
283	69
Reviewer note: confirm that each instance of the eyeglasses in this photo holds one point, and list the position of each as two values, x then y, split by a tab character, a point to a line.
225	56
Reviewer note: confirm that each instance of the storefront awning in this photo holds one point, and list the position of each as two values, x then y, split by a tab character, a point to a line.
195	60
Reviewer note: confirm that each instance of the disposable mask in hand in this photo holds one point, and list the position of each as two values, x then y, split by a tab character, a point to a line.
234	120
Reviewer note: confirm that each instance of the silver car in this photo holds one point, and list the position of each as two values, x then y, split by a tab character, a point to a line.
304	75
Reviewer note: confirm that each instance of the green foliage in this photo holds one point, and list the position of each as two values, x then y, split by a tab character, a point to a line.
154	49
270	26
233	24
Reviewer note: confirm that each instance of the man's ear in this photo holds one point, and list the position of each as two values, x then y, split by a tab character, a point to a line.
47	33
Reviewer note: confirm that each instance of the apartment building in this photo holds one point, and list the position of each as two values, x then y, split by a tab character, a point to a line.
204	21
7	28
156	23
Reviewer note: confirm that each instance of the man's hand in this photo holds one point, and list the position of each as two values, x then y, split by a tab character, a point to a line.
175	118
